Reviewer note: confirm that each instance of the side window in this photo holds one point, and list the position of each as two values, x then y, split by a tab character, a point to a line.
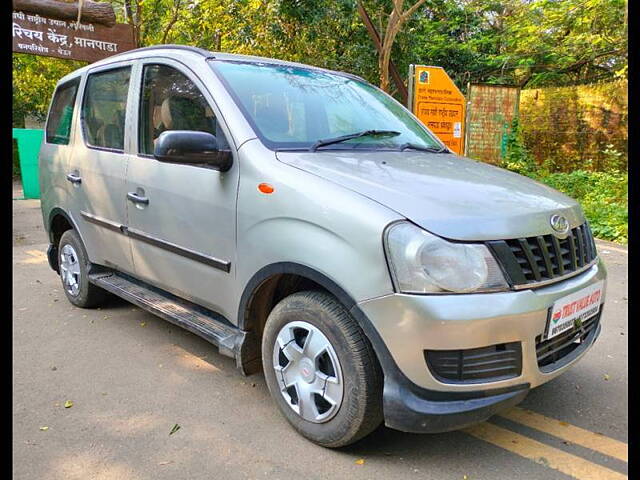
61	113
170	101
104	107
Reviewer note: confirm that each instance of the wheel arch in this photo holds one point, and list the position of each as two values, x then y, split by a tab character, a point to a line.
58	222
57	217
263	280
275	281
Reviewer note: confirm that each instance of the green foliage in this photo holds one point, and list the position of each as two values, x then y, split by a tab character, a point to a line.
614	159
517	158
540	42
16	160
603	196
34	79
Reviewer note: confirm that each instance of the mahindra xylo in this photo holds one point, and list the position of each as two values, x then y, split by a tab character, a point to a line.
310	226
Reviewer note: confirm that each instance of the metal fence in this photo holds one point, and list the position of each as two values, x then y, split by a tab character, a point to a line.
490	112
564	128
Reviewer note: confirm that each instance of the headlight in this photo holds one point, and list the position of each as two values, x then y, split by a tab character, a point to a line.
424	263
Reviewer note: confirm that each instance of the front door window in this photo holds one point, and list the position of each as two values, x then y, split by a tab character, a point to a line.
170	101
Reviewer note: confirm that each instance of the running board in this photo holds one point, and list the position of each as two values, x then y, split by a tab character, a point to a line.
230	340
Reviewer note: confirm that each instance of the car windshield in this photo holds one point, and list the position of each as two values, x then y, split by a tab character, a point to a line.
294	108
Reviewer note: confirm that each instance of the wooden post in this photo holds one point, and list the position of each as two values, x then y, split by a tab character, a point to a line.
92	12
375	36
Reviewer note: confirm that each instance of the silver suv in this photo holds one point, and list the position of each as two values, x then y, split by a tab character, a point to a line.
310	226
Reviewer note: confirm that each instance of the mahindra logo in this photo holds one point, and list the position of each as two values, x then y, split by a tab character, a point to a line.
559	223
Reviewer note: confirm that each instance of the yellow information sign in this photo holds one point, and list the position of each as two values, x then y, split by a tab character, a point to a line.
438	103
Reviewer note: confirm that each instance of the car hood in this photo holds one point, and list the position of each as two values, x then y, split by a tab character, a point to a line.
451	196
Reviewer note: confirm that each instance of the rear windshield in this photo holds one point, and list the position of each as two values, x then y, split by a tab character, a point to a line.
292	107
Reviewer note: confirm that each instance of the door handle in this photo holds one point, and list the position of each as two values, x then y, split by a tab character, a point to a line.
135	198
73	178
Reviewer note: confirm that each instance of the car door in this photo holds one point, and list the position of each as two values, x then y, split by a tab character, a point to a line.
181	217
57	148
97	166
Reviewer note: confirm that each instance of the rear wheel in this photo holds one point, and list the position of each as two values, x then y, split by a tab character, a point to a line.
74	272
321	369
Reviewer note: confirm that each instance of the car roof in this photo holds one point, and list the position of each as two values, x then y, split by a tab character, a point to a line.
196	53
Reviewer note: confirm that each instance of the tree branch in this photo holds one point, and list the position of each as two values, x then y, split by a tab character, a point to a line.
176	14
412	10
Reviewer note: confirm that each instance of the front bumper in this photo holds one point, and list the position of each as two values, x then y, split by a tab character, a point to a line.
407	325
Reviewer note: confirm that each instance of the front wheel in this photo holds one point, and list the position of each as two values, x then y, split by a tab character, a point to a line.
321	369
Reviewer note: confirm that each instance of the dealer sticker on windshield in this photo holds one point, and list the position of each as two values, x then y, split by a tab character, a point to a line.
572	310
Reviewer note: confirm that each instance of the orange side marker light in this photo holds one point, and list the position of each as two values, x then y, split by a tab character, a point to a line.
265	188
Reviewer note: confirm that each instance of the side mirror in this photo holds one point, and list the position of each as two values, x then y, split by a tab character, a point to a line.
196	148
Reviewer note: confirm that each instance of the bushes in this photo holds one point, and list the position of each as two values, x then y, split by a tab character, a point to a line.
16	160
603	195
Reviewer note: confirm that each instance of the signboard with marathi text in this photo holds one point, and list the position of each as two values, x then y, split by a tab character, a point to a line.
437	102
50	37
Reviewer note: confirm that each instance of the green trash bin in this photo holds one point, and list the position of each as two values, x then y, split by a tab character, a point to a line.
29	140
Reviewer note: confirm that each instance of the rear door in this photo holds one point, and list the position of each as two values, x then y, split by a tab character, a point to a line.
97	167
56	148
181	217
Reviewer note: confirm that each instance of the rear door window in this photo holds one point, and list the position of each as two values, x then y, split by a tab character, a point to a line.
104	108
58	127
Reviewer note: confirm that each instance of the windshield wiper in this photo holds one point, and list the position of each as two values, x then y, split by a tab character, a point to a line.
344	138
412	146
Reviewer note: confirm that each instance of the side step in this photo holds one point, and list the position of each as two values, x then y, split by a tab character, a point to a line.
230	340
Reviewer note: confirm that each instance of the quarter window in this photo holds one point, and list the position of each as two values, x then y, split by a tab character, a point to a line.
170	101
61	113
104	108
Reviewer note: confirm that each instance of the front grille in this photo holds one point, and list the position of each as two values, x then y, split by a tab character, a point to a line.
545	257
486	364
553	353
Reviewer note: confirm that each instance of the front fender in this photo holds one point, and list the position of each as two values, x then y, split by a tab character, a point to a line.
309	221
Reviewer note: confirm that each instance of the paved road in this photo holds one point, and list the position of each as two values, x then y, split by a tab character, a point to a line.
132	377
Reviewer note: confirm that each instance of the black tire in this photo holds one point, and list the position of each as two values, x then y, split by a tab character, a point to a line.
361	409
88	295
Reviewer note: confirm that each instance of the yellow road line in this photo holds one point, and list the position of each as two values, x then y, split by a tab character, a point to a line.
554	458
570	433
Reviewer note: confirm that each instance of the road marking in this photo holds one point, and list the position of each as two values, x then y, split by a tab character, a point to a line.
554	458
570	433
604	246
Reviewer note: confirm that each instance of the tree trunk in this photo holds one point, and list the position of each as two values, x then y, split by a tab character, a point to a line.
92	12
397	19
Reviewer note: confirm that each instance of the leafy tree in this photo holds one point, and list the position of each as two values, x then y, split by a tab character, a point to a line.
524	42
34	79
